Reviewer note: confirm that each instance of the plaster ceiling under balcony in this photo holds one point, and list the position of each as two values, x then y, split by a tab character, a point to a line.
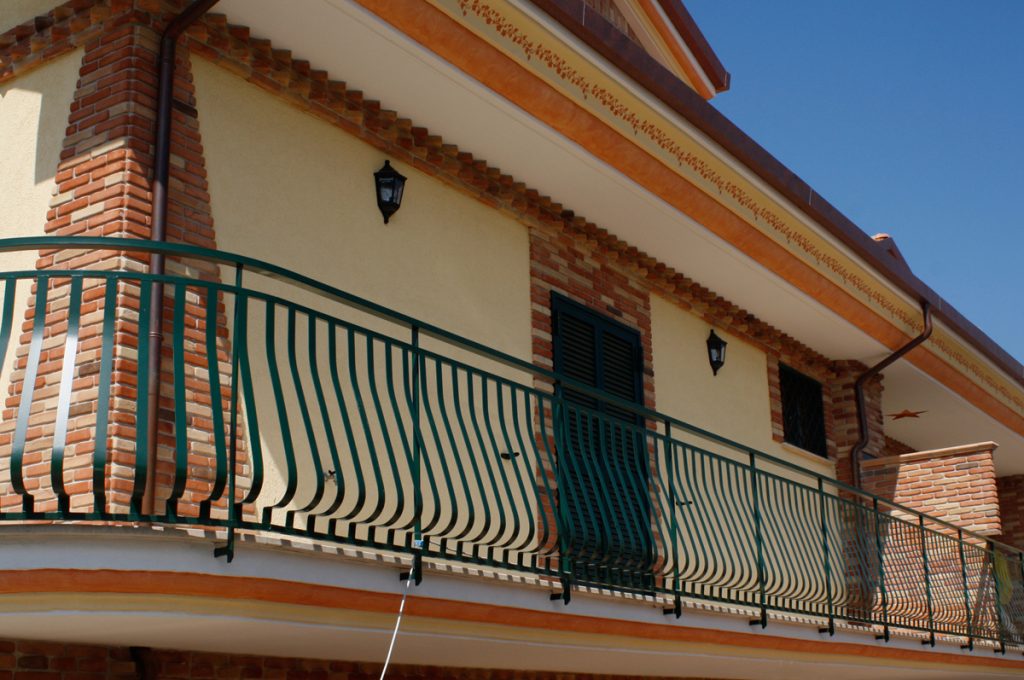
261	606
355	46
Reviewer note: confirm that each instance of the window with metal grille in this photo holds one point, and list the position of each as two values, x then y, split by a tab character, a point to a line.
603	468
803	413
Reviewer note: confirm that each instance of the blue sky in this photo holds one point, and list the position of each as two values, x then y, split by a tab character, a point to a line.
908	116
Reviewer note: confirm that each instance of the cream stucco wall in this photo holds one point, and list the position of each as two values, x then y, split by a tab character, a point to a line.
33	114
298	192
15	12
716	516
733	404
295	191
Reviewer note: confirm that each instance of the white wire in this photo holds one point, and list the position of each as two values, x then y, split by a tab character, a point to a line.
398	622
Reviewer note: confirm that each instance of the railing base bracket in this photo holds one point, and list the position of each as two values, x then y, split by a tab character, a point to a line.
415	570
564	596
676	609
228	549
225	551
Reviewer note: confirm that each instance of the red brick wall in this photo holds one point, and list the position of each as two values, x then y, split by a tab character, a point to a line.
846	431
960	489
25	660
103	189
1011	509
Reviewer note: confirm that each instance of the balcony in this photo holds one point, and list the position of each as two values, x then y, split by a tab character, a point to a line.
289	408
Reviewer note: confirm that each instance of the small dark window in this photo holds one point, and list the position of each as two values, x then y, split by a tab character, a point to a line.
803	415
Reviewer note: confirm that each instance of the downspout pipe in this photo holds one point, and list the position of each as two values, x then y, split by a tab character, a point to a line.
858	389
161	176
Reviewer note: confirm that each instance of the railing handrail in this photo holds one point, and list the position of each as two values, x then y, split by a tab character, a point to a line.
253	265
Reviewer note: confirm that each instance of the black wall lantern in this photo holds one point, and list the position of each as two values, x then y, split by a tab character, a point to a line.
716	352
390	185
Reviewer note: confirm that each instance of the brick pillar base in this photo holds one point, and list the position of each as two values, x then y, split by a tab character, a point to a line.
956	485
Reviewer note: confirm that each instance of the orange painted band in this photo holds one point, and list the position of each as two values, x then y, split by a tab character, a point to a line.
41	581
435	30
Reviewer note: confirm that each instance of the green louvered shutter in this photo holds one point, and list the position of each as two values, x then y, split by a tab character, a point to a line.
603	473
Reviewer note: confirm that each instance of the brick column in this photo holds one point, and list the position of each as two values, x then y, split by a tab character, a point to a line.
957	485
845	430
103	189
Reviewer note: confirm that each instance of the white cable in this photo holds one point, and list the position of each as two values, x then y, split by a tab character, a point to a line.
398	622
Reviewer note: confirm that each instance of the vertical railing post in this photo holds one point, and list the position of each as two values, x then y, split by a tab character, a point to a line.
673	506
881	570
417	453
999	603
234	509
1020	559
758	544
559	423
825	556
967	596
927	583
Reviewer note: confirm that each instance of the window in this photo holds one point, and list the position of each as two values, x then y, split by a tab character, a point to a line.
603	471
803	415
599	352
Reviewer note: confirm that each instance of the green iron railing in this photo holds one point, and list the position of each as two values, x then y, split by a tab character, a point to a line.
292	407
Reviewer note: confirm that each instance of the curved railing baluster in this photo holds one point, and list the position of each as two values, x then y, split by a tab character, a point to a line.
325	421
216	405
27	393
253	440
450	494
67	375
99	455
364	421
341	482
307	419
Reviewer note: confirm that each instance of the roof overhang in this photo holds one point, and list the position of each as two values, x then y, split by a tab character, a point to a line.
647	159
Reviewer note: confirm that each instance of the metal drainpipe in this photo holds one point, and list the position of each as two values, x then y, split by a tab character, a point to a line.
858	388
161	173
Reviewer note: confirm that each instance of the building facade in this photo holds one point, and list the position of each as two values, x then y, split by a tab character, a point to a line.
613	391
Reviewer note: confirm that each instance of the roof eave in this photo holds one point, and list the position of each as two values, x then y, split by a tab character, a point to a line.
605	39
694	38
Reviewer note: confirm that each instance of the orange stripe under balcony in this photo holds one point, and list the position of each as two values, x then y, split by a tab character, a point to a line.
293	409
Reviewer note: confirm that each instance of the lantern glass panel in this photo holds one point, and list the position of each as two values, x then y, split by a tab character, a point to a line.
389	185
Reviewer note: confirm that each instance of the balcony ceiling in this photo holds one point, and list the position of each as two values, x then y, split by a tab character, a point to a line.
355	46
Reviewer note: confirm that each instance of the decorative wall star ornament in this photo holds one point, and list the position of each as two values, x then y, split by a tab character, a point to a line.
906	413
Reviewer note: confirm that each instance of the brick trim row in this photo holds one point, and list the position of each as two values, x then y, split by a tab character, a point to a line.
57	661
